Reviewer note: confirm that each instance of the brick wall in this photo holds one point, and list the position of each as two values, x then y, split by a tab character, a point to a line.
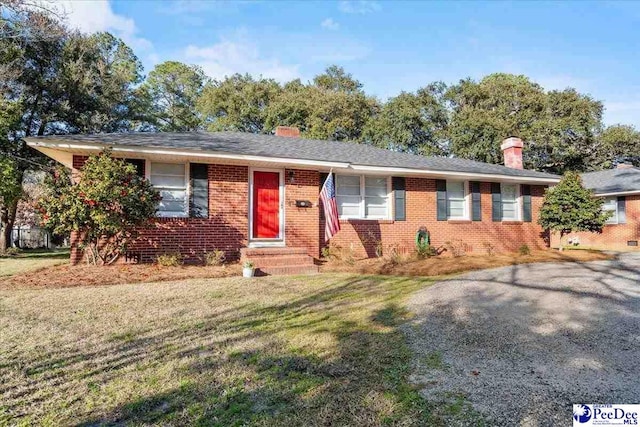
613	236
302	224
227	227
361	236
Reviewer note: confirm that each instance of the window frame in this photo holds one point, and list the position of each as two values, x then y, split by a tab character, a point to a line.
615	219
466	215
187	188
517	201
363	197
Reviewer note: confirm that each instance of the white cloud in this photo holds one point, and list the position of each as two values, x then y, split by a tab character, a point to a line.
330	24
94	16
359	7
238	56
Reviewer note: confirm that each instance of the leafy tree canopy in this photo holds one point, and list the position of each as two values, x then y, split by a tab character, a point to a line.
618	143
559	127
333	107
336	79
106	206
413	122
569	207
58	81
170	92
237	103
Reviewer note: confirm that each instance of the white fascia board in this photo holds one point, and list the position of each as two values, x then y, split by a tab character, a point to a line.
452	174
181	153
619	193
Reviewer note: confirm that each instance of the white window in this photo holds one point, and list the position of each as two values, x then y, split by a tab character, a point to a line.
375	197
510	206
456	200
611	205
362	196
170	180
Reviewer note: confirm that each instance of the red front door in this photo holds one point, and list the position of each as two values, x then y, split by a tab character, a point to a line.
266	205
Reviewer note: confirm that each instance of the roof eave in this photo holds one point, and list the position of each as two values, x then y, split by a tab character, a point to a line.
54	144
618	193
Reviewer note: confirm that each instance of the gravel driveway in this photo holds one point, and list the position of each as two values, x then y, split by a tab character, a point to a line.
521	344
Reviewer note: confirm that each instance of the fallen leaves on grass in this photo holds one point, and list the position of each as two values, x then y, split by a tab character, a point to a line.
444	265
65	276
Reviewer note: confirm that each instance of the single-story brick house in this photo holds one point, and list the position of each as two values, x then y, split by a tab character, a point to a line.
620	189
259	195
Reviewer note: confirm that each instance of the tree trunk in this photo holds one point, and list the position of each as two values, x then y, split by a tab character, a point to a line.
3	225
8	219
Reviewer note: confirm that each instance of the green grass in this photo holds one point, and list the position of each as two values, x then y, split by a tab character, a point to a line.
32	259
283	351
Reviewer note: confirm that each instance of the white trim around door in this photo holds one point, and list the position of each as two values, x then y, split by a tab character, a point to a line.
280	240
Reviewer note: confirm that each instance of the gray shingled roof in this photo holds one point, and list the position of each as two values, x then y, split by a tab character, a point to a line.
613	180
296	148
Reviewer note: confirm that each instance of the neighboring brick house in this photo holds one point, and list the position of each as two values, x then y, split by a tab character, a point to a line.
258	195
620	189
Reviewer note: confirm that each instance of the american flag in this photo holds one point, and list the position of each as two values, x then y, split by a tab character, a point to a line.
328	197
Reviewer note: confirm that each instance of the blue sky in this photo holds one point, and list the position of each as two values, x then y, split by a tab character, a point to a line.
391	46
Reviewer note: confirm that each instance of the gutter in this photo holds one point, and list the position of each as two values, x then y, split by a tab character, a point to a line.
618	193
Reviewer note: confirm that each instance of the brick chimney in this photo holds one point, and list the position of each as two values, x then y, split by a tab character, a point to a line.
288	131
512	151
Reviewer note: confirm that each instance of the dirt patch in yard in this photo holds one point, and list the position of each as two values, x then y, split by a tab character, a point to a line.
65	276
444	265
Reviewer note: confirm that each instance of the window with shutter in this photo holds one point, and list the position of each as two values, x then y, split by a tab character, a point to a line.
169	179
199	201
476	201
399	197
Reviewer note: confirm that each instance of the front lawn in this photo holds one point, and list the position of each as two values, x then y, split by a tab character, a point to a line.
313	350
30	260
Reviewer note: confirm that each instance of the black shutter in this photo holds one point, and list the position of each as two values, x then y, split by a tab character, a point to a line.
323	178
622	210
199	201
496	202
476	201
399	197
526	203
441	197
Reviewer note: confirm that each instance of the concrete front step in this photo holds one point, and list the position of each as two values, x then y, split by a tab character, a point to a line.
291	269
279	261
271	252
282	261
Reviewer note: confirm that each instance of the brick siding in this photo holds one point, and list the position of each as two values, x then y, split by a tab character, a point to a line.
361	236
227	227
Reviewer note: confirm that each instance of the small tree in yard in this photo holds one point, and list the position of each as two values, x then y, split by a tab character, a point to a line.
10	193
569	207
105	207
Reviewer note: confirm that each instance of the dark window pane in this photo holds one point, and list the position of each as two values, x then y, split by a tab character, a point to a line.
199	202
